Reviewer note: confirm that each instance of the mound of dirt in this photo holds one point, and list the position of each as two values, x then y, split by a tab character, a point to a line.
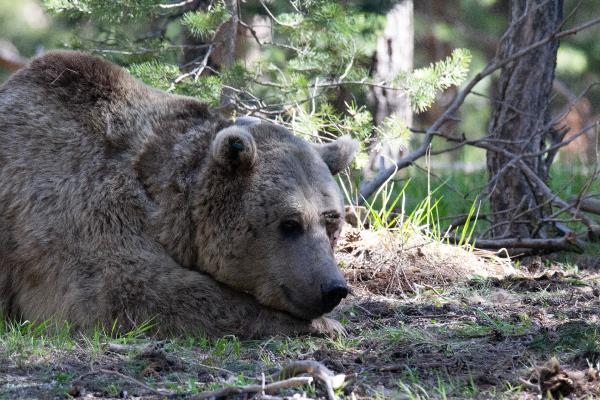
391	263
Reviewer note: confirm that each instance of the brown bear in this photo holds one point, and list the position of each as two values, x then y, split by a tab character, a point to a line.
119	202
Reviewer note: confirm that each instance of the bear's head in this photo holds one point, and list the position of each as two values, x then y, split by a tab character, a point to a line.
278	217
259	211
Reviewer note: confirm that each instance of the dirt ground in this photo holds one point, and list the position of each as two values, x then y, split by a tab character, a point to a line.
425	321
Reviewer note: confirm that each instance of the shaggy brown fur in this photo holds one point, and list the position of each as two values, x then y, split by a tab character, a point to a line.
121	202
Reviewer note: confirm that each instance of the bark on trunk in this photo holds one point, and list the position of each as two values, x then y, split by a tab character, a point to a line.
519	118
226	40
394	55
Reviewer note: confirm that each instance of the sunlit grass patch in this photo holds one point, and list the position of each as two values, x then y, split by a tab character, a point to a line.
486	325
22	341
570	337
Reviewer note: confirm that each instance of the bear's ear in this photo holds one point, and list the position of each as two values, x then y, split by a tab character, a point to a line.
337	154
234	148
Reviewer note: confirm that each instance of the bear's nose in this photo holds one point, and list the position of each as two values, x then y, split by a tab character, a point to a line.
332	294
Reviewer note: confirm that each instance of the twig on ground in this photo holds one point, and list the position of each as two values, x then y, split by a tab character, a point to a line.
437	292
529	385
316	370
128	348
563	243
257	388
173	5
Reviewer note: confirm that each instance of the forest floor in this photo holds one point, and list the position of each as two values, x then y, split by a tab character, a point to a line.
425	321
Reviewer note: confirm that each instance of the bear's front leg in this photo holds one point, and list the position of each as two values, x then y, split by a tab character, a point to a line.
180	301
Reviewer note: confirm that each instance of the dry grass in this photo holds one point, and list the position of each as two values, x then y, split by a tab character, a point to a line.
392	263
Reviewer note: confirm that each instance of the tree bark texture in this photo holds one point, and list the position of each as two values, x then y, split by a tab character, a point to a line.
225	45
520	119
394	54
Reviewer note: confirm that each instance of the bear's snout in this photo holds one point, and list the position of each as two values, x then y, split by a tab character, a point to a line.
331	295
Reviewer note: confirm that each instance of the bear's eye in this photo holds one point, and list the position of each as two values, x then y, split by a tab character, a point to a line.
291	228
331	216
332	222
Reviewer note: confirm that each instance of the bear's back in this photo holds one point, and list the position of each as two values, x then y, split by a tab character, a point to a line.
71	126
64	106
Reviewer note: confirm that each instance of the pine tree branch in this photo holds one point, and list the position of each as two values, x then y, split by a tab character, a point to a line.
368	188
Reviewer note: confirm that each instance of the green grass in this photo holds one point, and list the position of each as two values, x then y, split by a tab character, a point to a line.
435	353
442	196
21	341
579	337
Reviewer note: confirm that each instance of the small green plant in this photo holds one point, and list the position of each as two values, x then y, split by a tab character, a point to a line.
204	24
226	346
466	233
471	329
20	340
502	326
113	390
571	336
382	212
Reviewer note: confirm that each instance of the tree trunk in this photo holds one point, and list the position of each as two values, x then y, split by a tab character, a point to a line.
520	116
394	55
225	44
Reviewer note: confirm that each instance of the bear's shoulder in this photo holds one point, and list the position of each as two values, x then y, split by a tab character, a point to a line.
76	76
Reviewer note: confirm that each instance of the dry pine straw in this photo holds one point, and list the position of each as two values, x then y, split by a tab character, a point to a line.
388	263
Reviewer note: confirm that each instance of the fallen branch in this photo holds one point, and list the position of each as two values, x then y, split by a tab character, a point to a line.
173	5
593	227
271	387
132	348
529	385
460	220
517	161
587	205
316	370
554	244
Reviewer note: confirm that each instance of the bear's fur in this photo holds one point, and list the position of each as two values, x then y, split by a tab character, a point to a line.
119	202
